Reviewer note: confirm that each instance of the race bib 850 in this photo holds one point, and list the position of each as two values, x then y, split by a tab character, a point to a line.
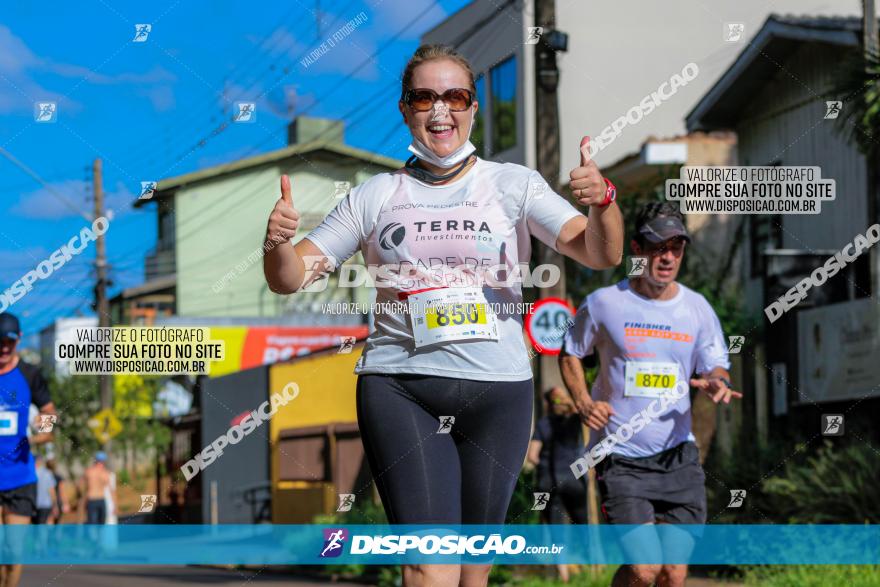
451	315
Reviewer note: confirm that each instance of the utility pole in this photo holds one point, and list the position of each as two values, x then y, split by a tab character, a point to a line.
102	305
869	27
547	144
871	49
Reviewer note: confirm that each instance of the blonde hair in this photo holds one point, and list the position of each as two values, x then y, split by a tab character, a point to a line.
427	53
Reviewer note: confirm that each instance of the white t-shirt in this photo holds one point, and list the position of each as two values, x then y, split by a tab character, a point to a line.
484	219
680	335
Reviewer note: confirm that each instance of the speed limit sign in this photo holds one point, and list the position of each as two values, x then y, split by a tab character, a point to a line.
547	324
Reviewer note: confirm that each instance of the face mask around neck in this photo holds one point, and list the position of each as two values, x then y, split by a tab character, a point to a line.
420	150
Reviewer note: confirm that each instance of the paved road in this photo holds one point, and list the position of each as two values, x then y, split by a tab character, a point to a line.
153	576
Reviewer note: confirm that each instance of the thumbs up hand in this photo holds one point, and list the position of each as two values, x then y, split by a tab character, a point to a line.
284	219
587	183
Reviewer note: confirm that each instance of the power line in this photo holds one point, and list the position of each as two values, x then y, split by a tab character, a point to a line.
358	108
33	174
271	67
243	66
47	309
222	127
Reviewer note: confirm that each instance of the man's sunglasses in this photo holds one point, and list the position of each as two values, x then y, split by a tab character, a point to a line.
675	245
423	99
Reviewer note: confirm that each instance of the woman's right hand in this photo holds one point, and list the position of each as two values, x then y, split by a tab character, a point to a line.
284	219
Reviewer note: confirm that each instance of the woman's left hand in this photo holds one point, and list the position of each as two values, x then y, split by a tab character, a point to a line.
587	183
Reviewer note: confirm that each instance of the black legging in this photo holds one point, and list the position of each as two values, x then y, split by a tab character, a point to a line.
427	477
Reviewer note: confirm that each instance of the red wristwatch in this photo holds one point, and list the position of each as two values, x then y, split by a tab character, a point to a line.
610	193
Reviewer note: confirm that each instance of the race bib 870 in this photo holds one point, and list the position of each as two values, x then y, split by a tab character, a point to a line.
650	379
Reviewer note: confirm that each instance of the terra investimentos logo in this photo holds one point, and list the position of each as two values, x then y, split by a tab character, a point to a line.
391	236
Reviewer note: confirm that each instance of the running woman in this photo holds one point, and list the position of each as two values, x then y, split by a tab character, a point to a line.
442	352
20	386
651	334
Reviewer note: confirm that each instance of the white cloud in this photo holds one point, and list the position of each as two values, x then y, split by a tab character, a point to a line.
340	59
391	16
15	56
154	76
43	204
161	97
18	62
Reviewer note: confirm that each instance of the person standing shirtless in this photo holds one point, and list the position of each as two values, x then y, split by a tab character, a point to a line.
93	484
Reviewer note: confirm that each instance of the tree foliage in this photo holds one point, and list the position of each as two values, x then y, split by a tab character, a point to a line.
77	399
857	85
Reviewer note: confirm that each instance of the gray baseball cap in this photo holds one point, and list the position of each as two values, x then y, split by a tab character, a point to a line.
663	228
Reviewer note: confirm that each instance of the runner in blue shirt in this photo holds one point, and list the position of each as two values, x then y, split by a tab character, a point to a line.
20	386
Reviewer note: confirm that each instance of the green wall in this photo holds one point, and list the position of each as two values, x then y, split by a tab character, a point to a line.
221	222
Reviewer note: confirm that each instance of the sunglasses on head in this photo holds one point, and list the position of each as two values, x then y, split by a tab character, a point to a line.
423	99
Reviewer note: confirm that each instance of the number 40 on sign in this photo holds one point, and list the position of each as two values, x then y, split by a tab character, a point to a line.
547	324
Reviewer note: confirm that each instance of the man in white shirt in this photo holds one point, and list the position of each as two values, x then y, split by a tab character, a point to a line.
651	334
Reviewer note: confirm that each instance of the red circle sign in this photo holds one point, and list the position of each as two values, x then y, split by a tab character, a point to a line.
547	324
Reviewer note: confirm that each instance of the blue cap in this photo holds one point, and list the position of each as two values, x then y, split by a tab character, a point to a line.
100	456
9	326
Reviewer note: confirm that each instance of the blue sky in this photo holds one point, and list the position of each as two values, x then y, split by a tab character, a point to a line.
144	109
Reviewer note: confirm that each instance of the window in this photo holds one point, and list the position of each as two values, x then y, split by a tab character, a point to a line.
765	232
503	86
165	239
479	130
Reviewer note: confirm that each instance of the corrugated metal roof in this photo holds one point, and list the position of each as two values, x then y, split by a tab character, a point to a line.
850	23
778	37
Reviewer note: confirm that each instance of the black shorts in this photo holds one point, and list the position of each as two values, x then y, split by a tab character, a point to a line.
669	487
21	501
42	515
96	511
